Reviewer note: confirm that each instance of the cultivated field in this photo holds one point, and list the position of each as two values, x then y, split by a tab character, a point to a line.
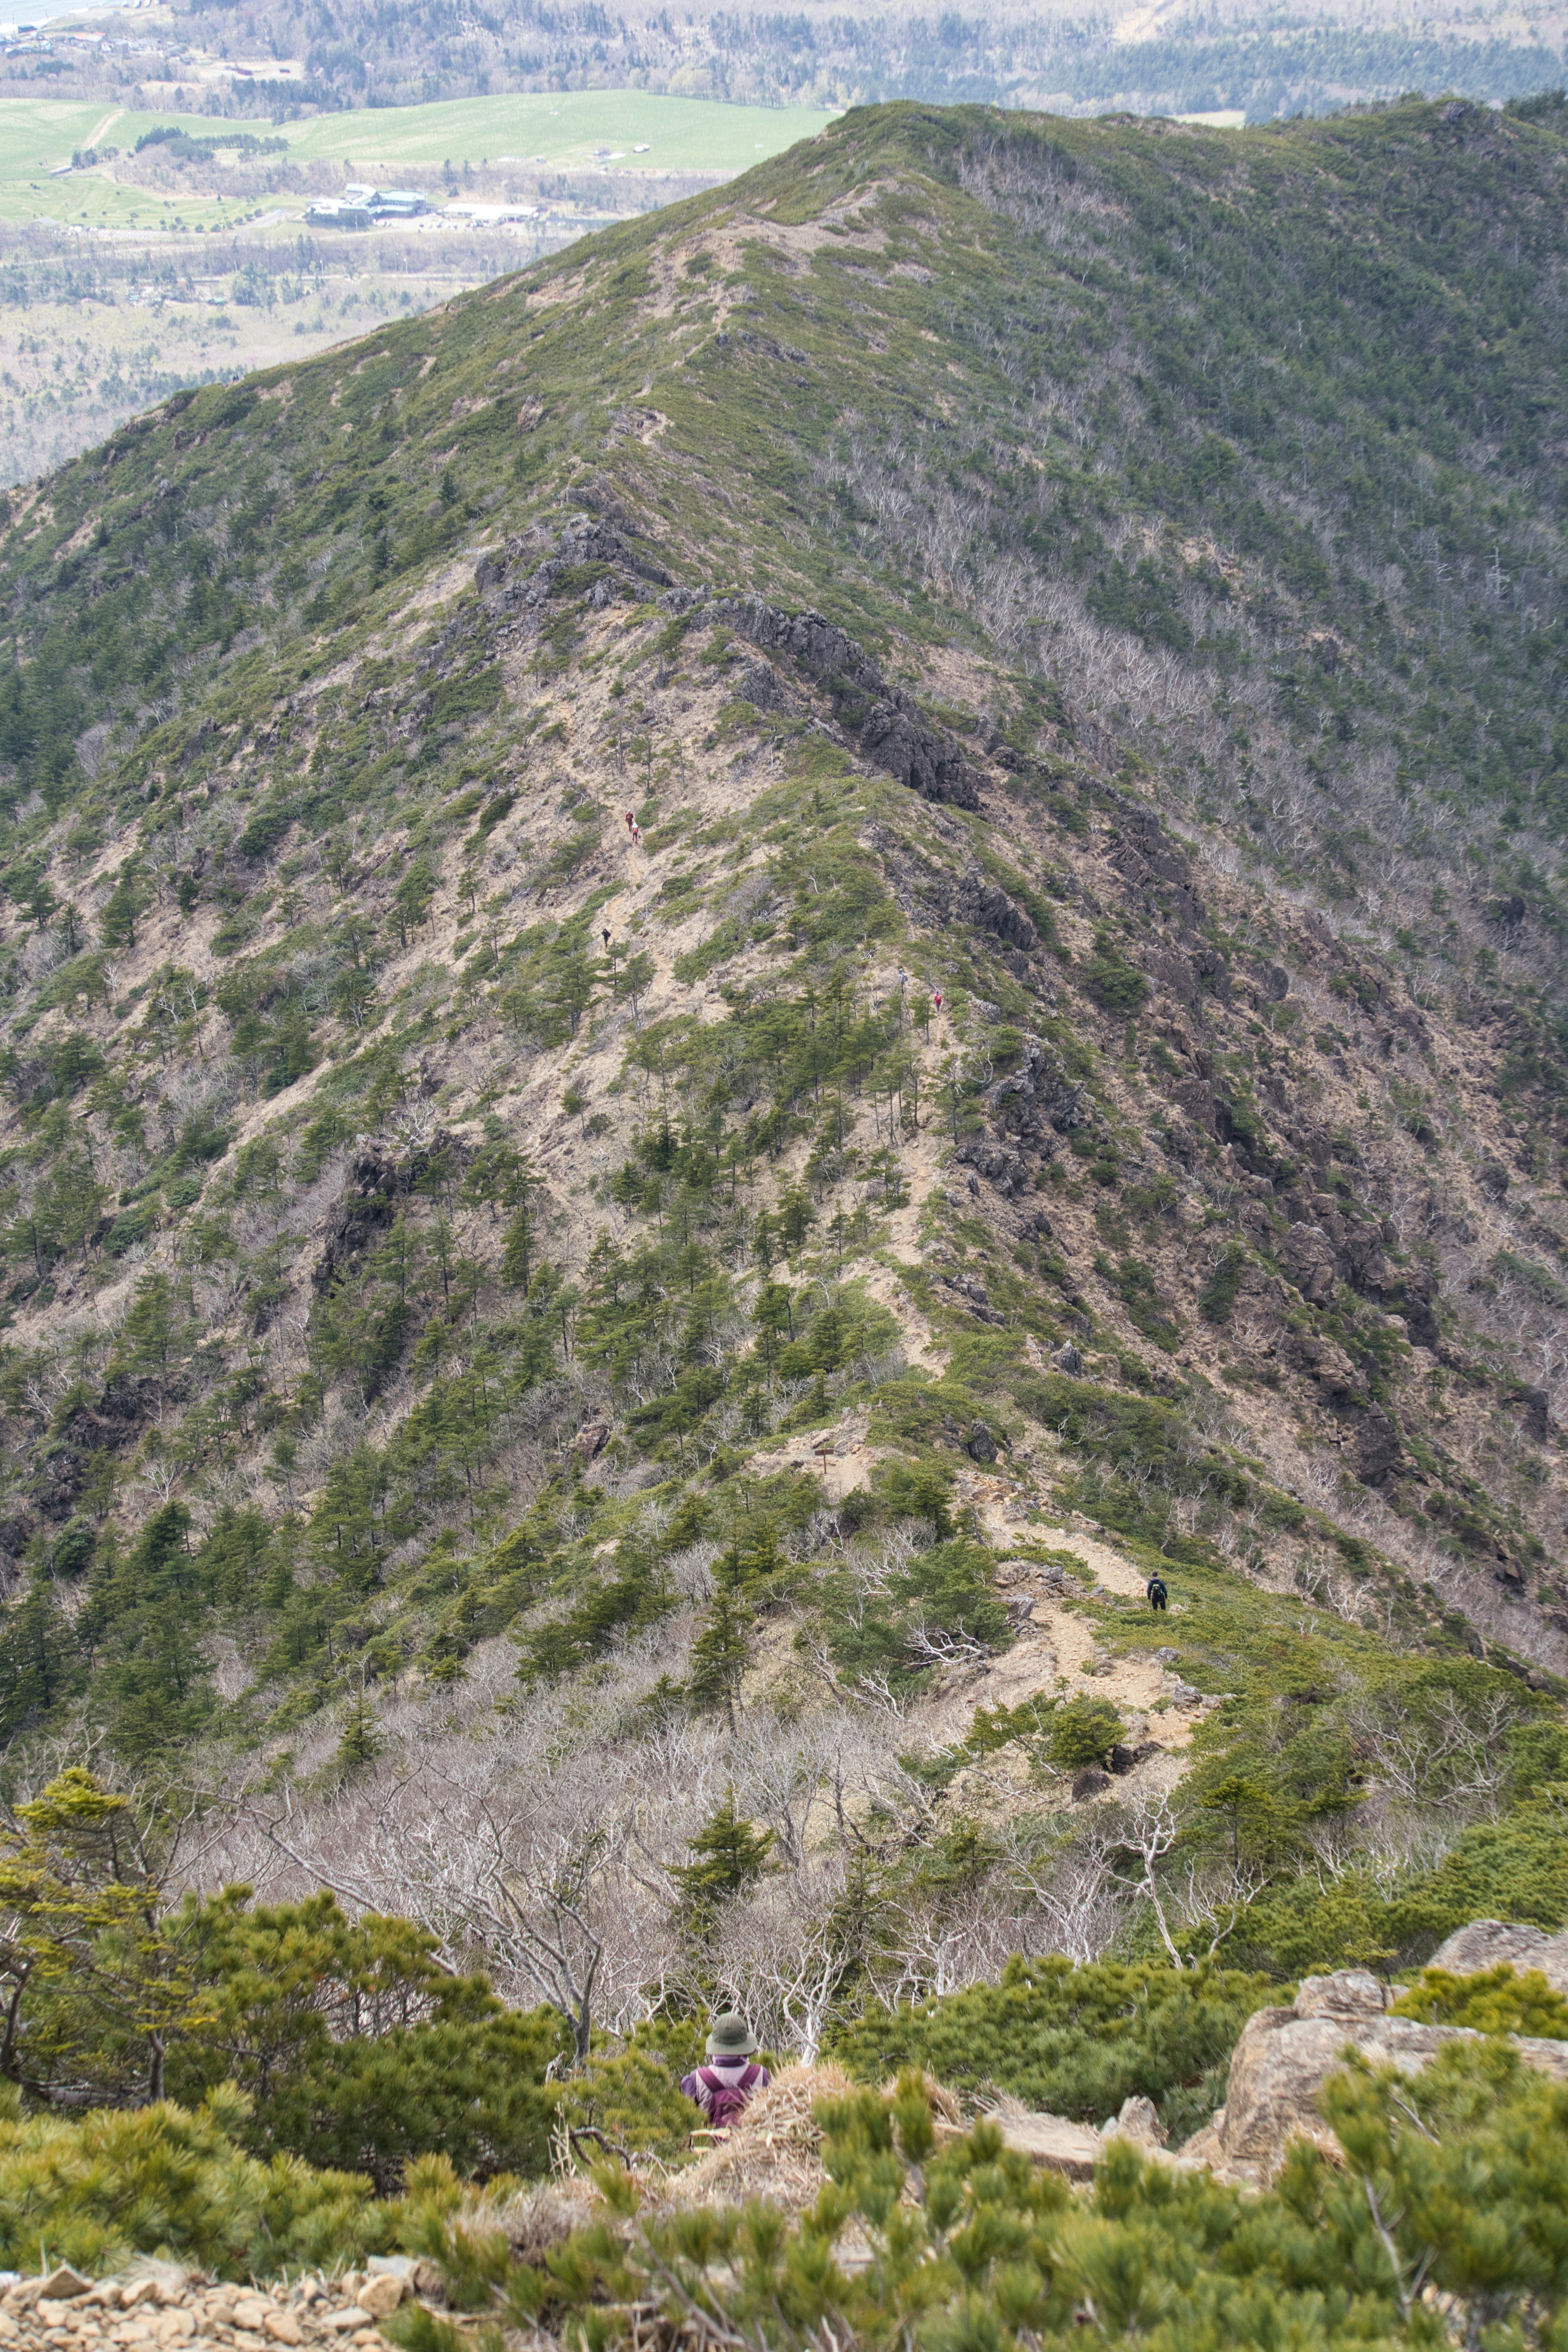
564	127
132	273
585	132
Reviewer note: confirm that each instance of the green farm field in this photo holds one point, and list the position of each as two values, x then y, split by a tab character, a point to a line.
570	132
563	128
38	135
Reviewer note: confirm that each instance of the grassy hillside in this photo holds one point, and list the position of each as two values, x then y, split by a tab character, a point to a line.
738	974
568	131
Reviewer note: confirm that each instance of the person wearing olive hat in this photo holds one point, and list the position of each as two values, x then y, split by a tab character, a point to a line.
725	2088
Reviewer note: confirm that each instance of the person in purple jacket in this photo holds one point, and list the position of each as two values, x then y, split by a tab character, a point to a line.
724	2087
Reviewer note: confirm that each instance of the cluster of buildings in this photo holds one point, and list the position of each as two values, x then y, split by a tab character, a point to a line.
361	207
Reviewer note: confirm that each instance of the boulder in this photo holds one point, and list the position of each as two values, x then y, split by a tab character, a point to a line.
379	2297
63	2284
1139	2121
1073	2148
1491	1943
1285	2056
1307	1258
1052	2140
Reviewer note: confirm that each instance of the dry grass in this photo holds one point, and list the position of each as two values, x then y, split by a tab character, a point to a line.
773	2152
542	2216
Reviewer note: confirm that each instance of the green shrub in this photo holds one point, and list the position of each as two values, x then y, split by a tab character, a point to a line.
1217	1300
472	2092
1075	2041
166	2180
1493	2001
1449	2199
346	2042
1110	981
1083	1732
633	2095
132	1225
1516	1868
938	1605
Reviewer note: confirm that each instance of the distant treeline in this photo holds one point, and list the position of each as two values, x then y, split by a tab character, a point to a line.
431	49
358	57
1270	74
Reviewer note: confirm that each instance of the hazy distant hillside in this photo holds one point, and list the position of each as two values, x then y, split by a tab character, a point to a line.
1142	60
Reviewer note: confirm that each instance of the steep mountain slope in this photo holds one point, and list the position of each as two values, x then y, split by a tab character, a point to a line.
842	914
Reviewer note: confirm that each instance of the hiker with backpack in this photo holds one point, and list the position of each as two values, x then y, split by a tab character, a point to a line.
725	2087
1158	1596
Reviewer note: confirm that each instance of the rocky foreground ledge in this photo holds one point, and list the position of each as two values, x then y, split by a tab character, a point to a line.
158	2304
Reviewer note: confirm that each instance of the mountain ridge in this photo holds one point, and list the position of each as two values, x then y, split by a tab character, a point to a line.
736	976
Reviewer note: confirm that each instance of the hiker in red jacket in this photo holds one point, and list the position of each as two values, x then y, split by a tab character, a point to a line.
726	2086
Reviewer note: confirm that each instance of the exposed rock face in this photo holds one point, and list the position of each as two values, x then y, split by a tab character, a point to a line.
974	899
1029	1108
1285	2056
1490	1943
1155	869
585	539
885	721
368	1204
1054	2141
1077	2149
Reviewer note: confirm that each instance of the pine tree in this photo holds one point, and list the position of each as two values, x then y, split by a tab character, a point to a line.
124	907
517	1257
37	1658
97	1961
498	1176
153	1332
721	1651
727	1856
361	1742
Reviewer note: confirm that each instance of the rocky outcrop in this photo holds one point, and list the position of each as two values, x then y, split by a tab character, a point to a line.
974	899
1155	873
368	1203
1077	2149
885	722
1286	2055
1027	1109
1496	1943
1002	1168
585	539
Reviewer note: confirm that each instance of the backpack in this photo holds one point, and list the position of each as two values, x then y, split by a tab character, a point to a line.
727	2102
